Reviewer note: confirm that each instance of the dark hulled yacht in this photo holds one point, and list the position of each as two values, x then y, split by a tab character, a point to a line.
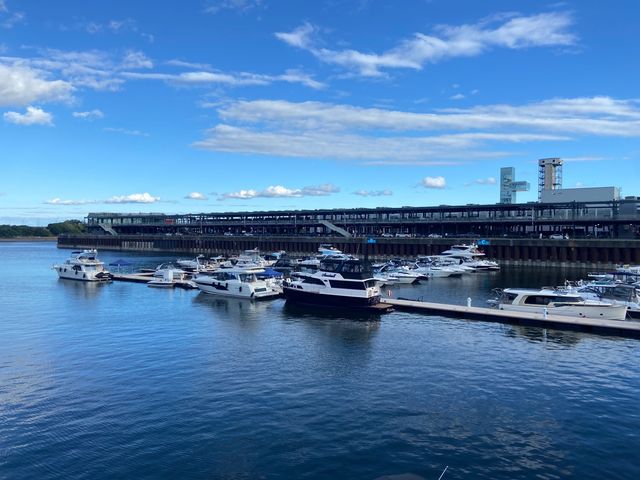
339	282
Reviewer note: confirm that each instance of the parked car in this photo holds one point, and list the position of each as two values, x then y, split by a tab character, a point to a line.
434	235
556	236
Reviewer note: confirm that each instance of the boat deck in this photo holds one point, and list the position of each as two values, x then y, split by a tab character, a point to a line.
624	328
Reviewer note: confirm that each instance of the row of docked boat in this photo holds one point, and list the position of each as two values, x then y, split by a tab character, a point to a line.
344	281
338	279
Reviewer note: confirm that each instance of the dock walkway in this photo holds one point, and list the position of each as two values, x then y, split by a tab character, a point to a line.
624	328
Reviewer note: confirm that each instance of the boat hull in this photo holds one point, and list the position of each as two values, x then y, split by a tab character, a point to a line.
294	295
70	274
235	290
613	312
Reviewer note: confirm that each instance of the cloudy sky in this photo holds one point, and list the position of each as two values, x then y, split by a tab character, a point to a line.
216	105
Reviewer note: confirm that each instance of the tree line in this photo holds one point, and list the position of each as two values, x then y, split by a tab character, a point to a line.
51	230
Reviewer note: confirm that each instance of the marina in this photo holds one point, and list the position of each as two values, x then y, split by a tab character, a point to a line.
341	281
279	240
279	382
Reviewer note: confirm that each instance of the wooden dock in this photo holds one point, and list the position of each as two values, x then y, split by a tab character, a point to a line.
623	328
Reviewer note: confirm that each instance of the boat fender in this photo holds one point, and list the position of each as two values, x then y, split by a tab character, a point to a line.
226	285
84	275
239	289
252	293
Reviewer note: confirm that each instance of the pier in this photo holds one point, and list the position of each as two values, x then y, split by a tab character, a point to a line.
627	328
588	253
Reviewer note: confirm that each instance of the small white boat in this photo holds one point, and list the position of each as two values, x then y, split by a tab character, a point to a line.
165	282
556	302
237	282
84	266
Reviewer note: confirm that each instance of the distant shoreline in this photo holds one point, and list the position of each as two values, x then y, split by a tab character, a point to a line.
29	239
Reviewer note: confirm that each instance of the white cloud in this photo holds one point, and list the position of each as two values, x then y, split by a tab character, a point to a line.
241	6
433	182
334	145
21	85
377	136
320	190
33	116
13	19
89	115
513	32
300	37
457	96
196	196
133	198
134	133
135	59
278	191
373	193
123	24
585	159
205	78
482	181
584	115
58	201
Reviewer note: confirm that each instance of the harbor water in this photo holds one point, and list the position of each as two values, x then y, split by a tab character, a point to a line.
123	381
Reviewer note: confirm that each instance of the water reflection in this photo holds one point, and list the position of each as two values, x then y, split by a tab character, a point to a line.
85	290
348	326
543	335
239	309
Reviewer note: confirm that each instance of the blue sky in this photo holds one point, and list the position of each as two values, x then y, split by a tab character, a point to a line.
225	105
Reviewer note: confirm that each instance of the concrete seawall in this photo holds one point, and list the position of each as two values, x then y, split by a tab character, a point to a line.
589	253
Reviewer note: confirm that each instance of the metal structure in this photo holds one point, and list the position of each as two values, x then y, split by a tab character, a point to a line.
509	186
615	219
549	175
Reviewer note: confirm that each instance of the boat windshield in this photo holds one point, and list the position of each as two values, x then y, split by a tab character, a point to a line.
247	277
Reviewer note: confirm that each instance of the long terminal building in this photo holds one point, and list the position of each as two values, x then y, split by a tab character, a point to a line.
612	219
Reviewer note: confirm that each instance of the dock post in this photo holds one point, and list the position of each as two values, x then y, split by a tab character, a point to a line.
545	312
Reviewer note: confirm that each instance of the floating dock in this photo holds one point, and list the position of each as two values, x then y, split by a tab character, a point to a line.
623	328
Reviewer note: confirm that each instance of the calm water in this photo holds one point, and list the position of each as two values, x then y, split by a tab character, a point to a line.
125	381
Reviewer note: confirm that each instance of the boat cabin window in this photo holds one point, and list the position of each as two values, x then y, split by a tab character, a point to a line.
508	297
352	268
247	277
538	300
224	276
330	266
313	281
547	299
347	285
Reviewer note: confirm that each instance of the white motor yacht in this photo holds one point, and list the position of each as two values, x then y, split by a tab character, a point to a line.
471	258
556	302
85	266
339	282
434	266
608	291
236	282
